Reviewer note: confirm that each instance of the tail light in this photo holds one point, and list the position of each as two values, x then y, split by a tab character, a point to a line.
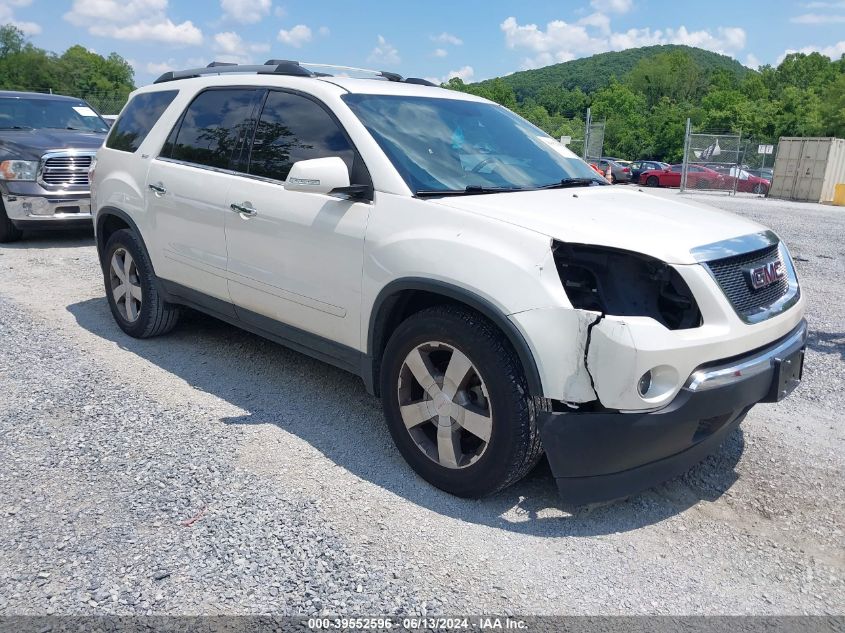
626	170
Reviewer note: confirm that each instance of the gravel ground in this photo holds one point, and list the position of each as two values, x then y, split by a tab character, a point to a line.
210	471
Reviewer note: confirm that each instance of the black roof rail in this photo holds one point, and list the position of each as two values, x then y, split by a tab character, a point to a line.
419	81
281	67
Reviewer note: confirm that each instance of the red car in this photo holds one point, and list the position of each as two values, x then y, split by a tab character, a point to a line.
697	177
746	182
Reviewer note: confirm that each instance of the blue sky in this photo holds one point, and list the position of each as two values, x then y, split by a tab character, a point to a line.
472	39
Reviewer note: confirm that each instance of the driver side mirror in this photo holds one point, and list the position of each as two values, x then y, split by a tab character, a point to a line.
328	176
318	175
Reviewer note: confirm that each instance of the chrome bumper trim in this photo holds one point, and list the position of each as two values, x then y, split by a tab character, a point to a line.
52	209
748	367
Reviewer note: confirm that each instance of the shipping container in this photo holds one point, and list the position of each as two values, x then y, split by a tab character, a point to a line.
808	169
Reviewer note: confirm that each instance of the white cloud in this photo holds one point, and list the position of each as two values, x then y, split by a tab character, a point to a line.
466	73
752	61
562	41
614	6
159	68
324	31
597	20
144	20
440	52
384	53
230	47
834	51
246	11
817	18
7	16
296	37
840	4
447	38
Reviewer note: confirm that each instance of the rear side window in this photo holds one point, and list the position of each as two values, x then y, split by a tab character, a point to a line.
294	128
137	119
213	127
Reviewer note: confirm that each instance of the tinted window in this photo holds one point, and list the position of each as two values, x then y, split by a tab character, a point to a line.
294	128
137	119
213	127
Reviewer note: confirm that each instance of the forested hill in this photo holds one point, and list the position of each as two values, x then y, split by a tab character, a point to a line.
596	72
645	95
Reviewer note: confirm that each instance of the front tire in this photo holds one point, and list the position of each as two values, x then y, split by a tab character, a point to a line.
8	231
133	297
456	402
652	181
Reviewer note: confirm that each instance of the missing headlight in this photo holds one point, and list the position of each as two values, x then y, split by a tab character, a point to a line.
622	283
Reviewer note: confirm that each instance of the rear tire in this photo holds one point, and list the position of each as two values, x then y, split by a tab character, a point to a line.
652	181
130	283
475	381
8	231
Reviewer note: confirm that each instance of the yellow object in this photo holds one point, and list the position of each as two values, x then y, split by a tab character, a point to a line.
839	195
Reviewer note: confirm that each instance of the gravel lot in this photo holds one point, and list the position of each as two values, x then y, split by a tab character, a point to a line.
210	472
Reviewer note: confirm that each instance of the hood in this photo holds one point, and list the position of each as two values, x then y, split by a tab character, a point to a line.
32	144
618	217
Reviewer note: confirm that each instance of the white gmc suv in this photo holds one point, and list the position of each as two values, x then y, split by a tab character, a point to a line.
500	297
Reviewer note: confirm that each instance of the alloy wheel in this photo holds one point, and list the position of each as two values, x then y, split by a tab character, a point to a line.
445	405
125	285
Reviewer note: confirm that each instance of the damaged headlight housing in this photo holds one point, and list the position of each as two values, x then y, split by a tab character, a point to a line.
622	283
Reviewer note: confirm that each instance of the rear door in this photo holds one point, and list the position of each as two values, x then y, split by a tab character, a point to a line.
672	178
188	186
297	258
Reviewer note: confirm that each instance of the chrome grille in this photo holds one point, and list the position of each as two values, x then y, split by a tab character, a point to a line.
730	273
69	169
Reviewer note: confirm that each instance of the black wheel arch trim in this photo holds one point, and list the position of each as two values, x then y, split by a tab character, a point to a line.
386	301
101	243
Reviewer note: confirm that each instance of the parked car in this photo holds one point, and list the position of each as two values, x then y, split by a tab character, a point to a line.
619	172
498	296
746	182
47	143
698	177
639	166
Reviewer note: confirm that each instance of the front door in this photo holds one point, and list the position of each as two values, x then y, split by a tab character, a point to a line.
296	258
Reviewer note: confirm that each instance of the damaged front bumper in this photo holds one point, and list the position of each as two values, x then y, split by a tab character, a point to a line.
600	456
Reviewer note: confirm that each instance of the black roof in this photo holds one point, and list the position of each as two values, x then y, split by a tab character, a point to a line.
12	94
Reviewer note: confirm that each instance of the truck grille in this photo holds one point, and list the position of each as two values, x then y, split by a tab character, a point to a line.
66	170
731	275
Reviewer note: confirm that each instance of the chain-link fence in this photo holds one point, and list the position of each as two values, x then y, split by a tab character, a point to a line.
712	161
726	162
593	139
106	102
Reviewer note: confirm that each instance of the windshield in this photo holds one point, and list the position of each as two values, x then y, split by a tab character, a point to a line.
34	113
451	145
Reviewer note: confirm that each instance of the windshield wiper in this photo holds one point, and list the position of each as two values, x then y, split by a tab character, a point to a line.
573	182
470	190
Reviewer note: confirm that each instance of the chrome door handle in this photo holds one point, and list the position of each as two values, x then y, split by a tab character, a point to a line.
158	189
244	209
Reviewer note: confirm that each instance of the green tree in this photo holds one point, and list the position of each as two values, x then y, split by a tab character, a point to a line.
833	107
77	72
674	75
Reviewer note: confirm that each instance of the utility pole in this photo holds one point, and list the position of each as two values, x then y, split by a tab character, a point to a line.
684	166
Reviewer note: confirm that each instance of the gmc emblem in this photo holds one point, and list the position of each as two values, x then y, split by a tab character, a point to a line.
765	275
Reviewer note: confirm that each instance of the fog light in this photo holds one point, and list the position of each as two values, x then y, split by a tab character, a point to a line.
645	383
